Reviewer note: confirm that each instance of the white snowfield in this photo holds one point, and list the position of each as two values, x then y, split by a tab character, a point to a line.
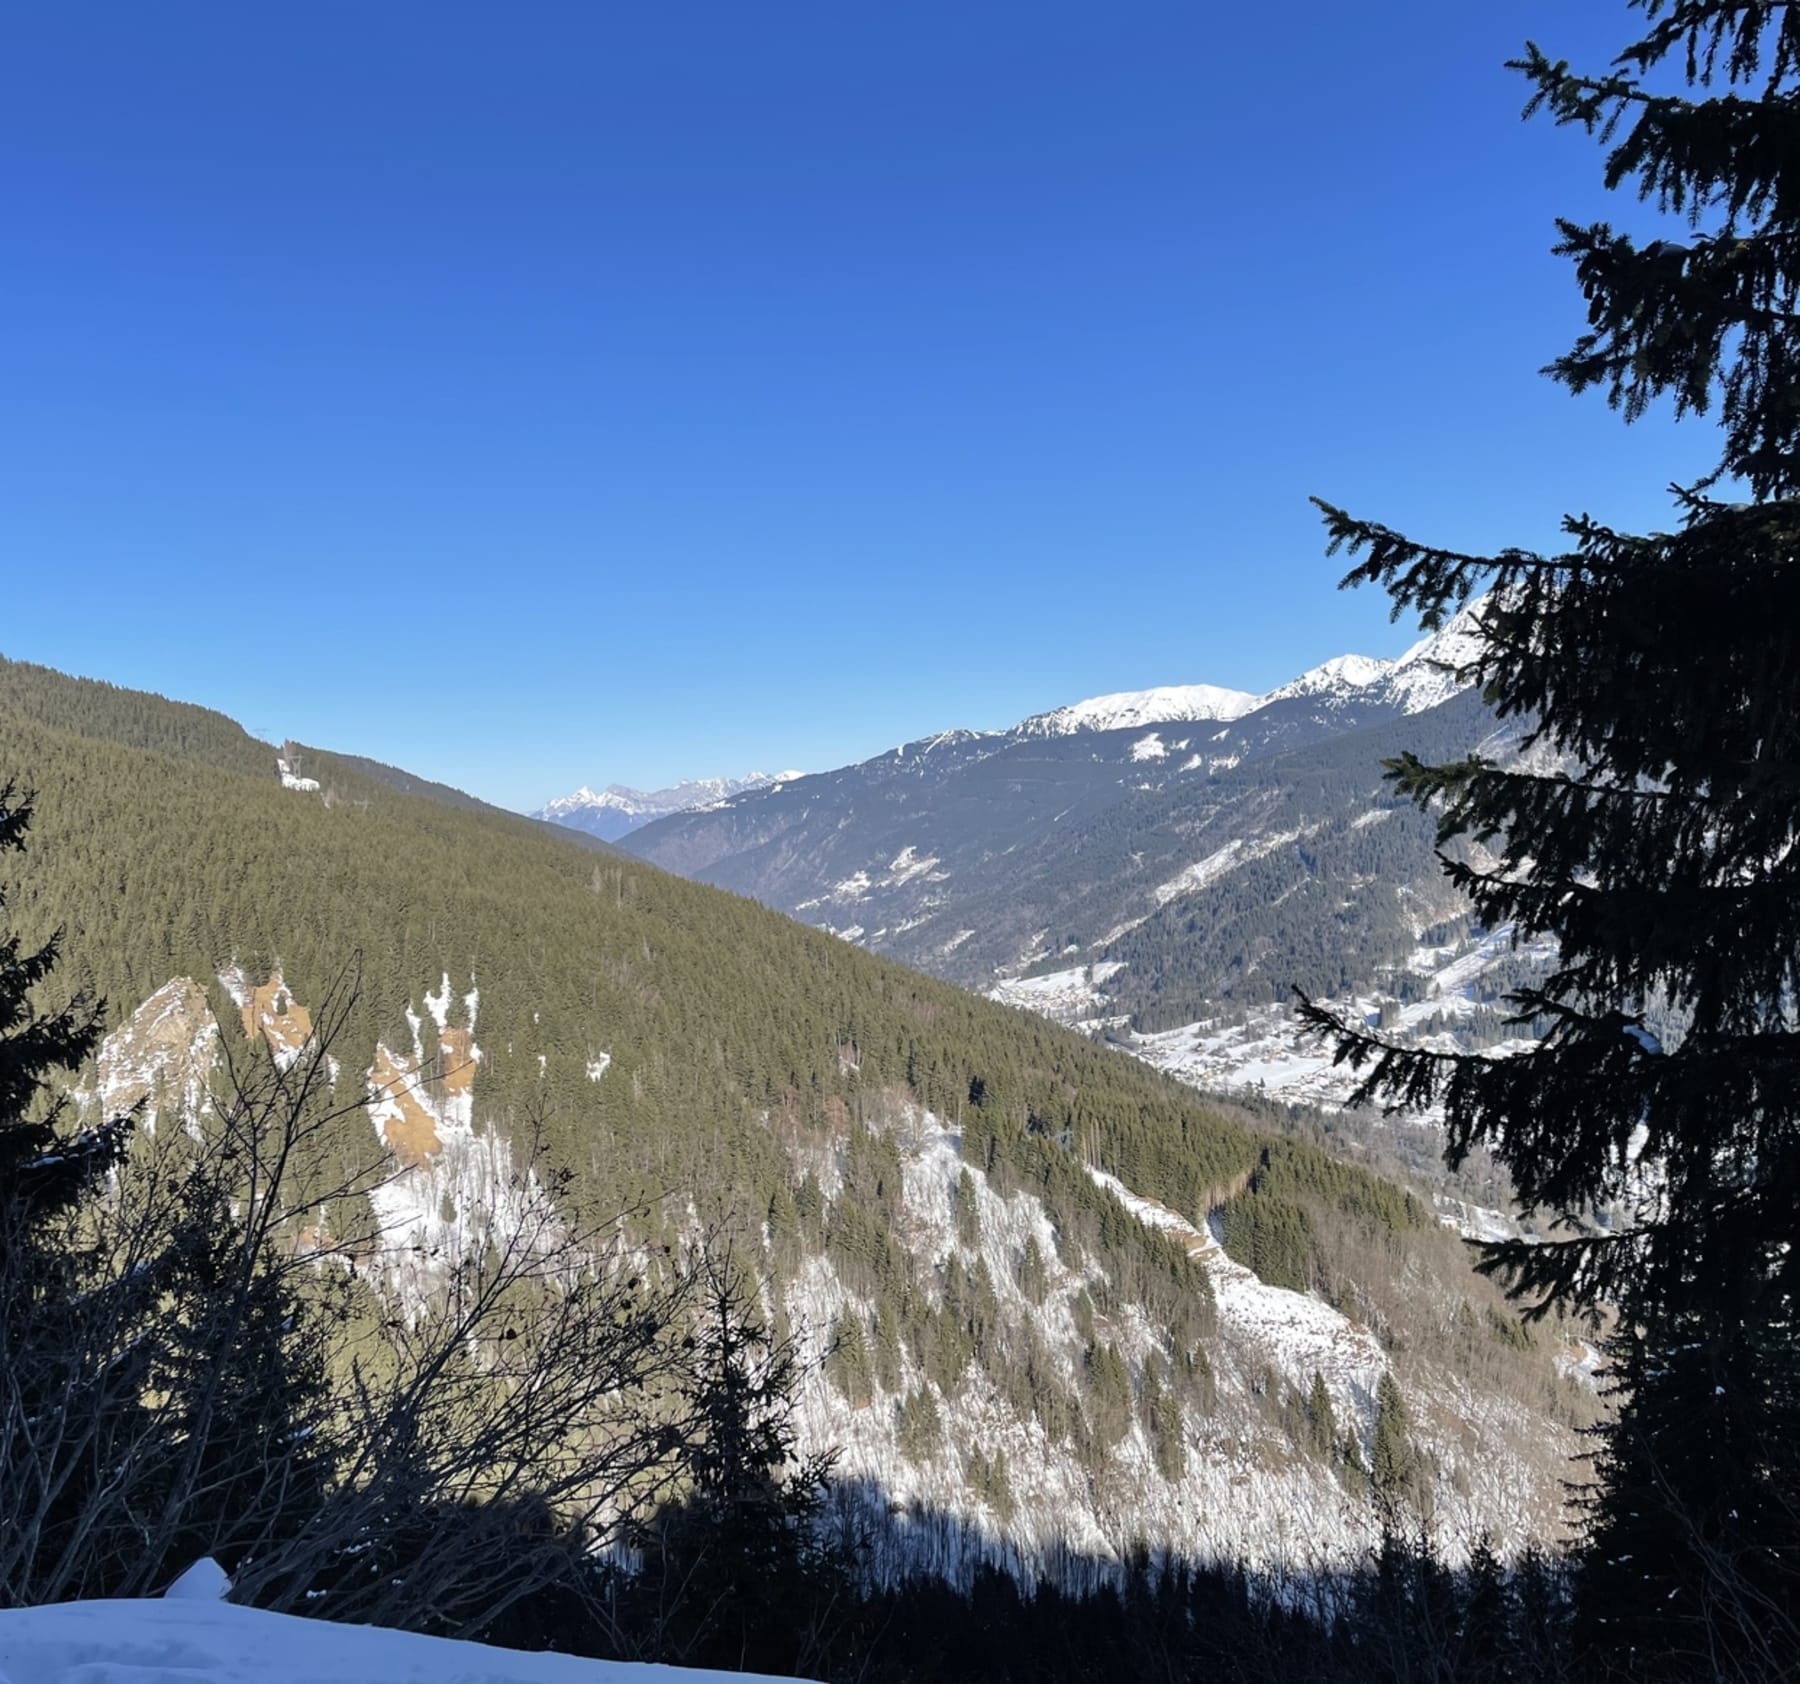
1166	704
182	1640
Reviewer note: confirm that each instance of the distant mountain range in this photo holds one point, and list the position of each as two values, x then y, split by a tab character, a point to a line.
618	809
1412	682
986	854
1160	867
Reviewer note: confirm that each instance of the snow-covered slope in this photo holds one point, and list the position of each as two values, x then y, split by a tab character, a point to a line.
1446	996
1427	673
1246	1492
1339	676
200	1641
618	810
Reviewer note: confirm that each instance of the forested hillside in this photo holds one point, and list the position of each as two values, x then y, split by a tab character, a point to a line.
989	1234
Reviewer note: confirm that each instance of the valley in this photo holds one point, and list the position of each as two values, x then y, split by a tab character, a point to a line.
1160	870
1151	1314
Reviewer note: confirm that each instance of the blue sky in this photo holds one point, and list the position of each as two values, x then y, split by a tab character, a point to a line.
541	394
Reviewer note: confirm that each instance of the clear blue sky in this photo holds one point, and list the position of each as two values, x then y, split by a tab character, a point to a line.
536	394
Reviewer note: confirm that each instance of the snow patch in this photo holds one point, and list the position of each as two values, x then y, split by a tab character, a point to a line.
205	1581
1216	864
290	781
906	865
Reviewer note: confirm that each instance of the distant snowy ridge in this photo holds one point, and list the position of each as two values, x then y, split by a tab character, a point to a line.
618	809
1129	709
1419	679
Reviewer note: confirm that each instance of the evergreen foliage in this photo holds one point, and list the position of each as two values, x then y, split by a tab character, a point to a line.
1033	1278
1271	1225
735	1569
1651	830
43	1171
921	1433
1321	1418
1162	1424
714	1012
1393	1462
1415	1619
850	1364
1109	1394
968	1213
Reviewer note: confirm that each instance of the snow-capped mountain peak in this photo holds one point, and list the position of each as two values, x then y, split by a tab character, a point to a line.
1421	678
1128	709
619	809
1339	676
1426	674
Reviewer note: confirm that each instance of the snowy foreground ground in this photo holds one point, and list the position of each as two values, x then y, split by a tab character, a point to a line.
210	1642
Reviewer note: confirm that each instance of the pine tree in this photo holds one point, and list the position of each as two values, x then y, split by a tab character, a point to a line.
1321	1419
1484	1627
1162	1421
740	1555
61	1529
1108	1394
43	1168
1034	1280
1704	1395
886	1354
968	1213
1000	1492
921	1429
1649	828
1393	1463
849	1363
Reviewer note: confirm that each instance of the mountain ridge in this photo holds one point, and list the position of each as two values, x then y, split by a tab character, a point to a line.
1411	681
619	809
996	817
